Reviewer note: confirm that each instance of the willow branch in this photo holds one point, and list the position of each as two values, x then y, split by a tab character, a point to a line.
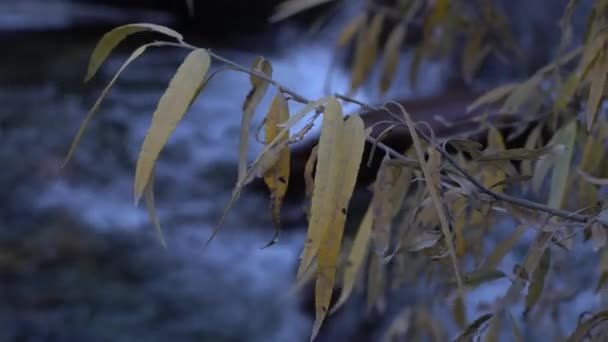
521	202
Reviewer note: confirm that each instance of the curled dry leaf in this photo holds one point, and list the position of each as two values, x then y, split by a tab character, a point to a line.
257	92
277	176
170	110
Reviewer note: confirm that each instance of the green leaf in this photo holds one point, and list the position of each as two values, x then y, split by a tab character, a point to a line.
170	110
538	280
110	40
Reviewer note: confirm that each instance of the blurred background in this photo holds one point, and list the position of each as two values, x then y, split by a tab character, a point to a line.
78	261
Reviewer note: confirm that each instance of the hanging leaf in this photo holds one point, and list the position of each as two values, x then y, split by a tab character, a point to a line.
493	96
389	189
343	158
257	92
473	328
598	76
277	177
356	258
476	278
494	259
559	179
473	54
149	201
365	53
350	30
538	280
308	178
110	40
138	52
391	57
170	110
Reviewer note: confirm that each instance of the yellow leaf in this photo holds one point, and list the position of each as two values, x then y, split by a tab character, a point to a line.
559	179
356	258
565	92
323	198
390	187
537	282
391	57
289	8
277	177
350	30
365	53
494	173
110	40
598	77
582	330
149	201
170	110
518	154
473	54
257	92
492	96
376	284
308	178
138	52
343	170
494	259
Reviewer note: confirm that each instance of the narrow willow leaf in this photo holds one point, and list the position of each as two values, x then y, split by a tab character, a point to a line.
471	147
356	258
376	284
473	328
392	182
598	236
559	179
257	92
476	278
277	177
344	168
149	201
289	8
473	54
495	173
531	143
110	40
537	282
493	96
299	115
308	178
434	193
350	30
565	92
517	154
391	57
494	259
138	52
365	53
323	197
521	94
170	110
459	312
583	329
598	77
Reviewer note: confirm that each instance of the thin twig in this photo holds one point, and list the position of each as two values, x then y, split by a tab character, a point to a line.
521	202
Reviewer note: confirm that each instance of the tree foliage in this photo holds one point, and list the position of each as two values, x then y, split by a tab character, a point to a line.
435	204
